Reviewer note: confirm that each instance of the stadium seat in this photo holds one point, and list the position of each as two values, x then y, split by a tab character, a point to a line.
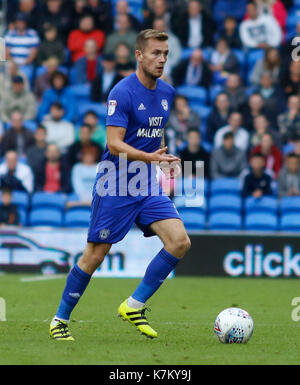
82	92
214	90
290	222
186	53
224	220
48	200
193	218
225	203
292	20
261	222
23	216
77	217
289	205
21	199
252	57
98	108
225	186
265	204
46	217
194	94
30	124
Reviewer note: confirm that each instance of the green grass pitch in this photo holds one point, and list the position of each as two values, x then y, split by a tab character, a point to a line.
183	313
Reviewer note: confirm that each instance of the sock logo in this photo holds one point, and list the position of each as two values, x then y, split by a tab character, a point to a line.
74	295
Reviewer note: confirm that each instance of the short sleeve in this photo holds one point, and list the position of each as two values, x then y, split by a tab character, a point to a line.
118	107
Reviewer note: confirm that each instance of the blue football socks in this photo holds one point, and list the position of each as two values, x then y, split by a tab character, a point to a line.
157	271
77	282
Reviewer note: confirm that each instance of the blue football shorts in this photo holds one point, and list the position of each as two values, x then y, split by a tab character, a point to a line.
113	216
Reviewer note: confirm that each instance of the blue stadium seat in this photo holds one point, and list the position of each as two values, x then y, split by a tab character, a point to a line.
195	94
225	186
186	53
214	90
77	217
72	197
261	222
225	203
193	218
23	216
45	217
82	92
48	200
292	20
30	124
21	199
265	204
189	186
290	222
252	57
224	220
98	108
289	205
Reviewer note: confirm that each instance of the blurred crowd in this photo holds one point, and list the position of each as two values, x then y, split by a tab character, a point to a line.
247	125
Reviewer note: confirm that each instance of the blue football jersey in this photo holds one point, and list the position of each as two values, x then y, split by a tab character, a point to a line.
143	113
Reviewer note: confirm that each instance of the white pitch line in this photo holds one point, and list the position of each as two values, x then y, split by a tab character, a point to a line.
42	278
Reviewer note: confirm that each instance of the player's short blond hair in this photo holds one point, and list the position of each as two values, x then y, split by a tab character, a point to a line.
147	34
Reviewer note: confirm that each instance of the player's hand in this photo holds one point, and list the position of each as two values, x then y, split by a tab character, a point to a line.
161	156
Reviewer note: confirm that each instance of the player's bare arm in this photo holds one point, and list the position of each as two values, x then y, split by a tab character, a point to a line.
117	146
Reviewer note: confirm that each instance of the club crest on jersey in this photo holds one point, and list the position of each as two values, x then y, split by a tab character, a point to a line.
165	105
112	104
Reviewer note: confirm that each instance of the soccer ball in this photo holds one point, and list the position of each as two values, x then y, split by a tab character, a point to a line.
233	326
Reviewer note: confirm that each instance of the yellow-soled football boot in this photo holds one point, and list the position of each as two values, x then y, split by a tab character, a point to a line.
137	318
59	330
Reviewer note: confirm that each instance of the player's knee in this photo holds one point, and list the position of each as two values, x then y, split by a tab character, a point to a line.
179	246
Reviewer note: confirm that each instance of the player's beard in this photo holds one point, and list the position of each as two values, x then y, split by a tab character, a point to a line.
150	74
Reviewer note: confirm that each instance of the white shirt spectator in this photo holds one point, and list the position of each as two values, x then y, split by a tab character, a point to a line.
241	137
60	132
22	172
195	35
263	29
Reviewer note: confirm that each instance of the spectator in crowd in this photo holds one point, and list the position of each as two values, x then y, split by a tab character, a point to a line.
194	27
31	10
270	63
42	81
14	174
83	175
259	31
274	8
59	92
261	126
37	152
124	70
98	130
182	118
51	46
17	138
289	177
287	120
10	70
8	211
236	92
122	8
21	42
240	134
256	182
59	130
124	34
84	143
88	67
271	153
255	107
273	96
53	174
18	98
86	31
160	8
55	13
290	79
194	152
223	62
227	161
174	55
193	71
105	80
122	54
230	33
79	8
101	9
219	115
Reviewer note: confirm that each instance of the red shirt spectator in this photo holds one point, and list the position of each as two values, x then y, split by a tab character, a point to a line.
271	153
86	31
52	180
